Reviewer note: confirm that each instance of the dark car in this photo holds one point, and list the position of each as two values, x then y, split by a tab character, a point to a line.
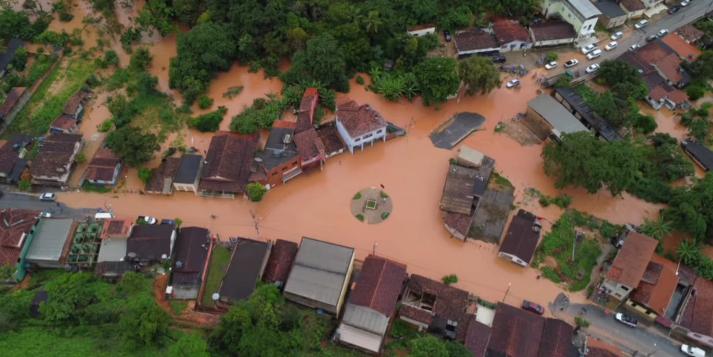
626	319
498	58
651	38
674	9
447	35
532	307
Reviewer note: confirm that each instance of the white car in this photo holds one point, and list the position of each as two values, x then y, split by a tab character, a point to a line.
594	54
641	24
616	35
571	63
46	214
592	68
148	219
634	47
551	65
512	83
611	45
662	33
626	320
48	196
588	48
693	351
685	3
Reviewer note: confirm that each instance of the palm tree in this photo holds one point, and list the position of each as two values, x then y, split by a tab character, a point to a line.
658	229
688	251
373	22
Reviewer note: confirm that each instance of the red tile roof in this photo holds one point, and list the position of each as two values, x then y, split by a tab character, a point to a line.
329	135
477	337
359	119
166	171
552	30
280	262
633	5
75	101
379	285
228	162
308	105
690	33
116	228
451	303
630	263
309	145
65	122
11	100
658	285
684	50
507	30
474	39
14	224
698	313
8	157
56	155
102	166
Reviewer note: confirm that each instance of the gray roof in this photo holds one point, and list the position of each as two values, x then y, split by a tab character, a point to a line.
557	115
585	8
365	318
320	270
50	236
112	250
188	169
610	8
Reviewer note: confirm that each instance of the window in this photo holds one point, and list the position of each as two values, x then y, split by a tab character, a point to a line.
367	136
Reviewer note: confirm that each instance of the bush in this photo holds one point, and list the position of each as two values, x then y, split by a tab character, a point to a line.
360	80
210	121
551	56
696	90
145	174
205	102
357	196
360	217
450	279
255	191
110	59
24	185
581	322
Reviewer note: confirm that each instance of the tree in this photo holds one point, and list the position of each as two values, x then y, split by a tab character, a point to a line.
437	78
657	229
479	75
689	209
189	345
143	322
321	61
157	14
450	279
20	60
210	121
132	145
624	80
428	346
698	121
688	252
145	174
141	60
255	191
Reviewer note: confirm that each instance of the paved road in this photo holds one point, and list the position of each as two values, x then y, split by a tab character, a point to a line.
31	201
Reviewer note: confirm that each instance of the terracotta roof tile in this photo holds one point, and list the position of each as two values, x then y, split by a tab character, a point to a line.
308	105
75	101
55	155
359	119
633	5
14	224
102	166
228	162
8	157
165	172
474	39
65	122
690	33
507	30
552	30
116	228
630	263
309	145
515	332
280	262
698	313
477	337
330	138
379	285
450	303
684	50
658	285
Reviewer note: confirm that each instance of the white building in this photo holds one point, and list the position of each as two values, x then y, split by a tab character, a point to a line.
422	30
582	14
359	125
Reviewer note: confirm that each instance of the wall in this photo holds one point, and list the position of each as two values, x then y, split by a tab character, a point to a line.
359	142
513	259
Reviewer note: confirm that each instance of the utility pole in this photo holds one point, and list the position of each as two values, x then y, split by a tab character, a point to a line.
507	291
256	222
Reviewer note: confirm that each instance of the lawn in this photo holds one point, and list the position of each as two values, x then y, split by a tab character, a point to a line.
219	261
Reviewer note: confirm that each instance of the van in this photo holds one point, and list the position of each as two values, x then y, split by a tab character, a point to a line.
103	215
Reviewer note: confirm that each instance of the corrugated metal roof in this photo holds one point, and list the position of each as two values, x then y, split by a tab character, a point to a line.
555	114
324	256
50	237
585	8
365	318
112	250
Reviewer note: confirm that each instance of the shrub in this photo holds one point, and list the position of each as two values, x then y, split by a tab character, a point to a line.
360	80
581	322
384	215
205	102
210	121
357	196
24	185
255	191
450	279
360	217
696	91
145	175
551	56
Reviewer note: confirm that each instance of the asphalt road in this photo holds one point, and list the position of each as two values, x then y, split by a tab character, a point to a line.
31	201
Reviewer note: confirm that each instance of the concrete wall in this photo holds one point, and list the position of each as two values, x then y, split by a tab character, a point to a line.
360	141
515	46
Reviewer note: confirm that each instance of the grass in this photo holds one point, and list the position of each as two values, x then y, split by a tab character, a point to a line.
219	261
45	107
42	63
89	187
502	181
177	306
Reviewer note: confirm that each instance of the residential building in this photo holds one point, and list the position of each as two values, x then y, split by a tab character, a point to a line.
548	118
477	337
491	214
633	8
188	173
372	304
14	101
475	41
521	239
511	35
359	125
279	162
436	307
6	57
332	141
279	264
75	106
659	58
459	190
189	262
422	30
581	14
320	275
690	33
655	291
612	14
65	124
696	318
48	245
116	228
684	50
308	107
161	182
16	225
12	163
310	149
701	155
575	104
55	159
629	266
228	165
552	33
104	169
112	261
247	264
151	243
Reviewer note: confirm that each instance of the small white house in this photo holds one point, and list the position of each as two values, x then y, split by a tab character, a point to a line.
359	125
422	30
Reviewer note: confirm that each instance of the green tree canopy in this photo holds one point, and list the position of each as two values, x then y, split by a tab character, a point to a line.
132	145
479	75
437	78
143	322
321	62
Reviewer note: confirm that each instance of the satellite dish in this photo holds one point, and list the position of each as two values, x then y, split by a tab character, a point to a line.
215	296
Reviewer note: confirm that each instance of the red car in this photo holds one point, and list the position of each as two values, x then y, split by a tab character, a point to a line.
532	307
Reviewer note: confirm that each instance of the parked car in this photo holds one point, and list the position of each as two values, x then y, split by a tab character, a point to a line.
147	220
662	33
48	197
512	83
169	222
611	45
46	214
693	351
551	65
571	63
673	9
588	48
616	35
685	3
447	36
626	319
594	54
651	38
634	47
533	307
498	58
592	68
641	24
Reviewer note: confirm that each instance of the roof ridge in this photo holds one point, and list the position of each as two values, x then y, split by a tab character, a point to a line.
378	282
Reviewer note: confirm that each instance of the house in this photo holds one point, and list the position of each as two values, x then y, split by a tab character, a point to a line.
491	215
581	14
6	57
516	332
612	14
436	307
459	190
477	337
308	107
690	33
310	149
548	118
575	104
701	154
371	304
12	163
332	141
65	124
16	225
320	275
247	263
75	106
359	125
189	262
112	261
188	173
658	57
422	30
655	291
662	94
633	8
280	262
150	243
521	239
116	228
279	161
228	165
629	266
161	182
104	169
552	33
696	317
511	35
14	101
55	159
475	41
48	245
684	50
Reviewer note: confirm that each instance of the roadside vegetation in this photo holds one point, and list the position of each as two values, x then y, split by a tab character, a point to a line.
406	340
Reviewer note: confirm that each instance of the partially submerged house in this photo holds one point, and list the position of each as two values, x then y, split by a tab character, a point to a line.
655	291
55	159
48	245
279	161
548	118
279	264
581	14
104	169
520	241
359	125
575	104
701	154
151	243
690	33
310	149
629	266
75	106
332	141
511	35
475	41
552	33
161	182
372	304
228	165
320	275
15	227
188	173
306	112
247	264
189	262
64	123
421	30
696	318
